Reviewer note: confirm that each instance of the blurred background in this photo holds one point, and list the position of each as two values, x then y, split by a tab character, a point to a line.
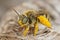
51	5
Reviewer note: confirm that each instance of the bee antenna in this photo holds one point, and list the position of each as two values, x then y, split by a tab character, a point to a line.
16	12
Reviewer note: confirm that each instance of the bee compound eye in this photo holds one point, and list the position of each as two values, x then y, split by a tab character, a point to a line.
25	19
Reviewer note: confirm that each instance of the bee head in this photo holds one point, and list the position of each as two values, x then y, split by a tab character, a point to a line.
24	19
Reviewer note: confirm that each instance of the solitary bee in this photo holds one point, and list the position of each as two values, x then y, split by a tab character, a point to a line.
31	18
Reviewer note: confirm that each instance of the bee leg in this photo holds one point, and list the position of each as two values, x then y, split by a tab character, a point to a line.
44	21
35	28
26	31
20	23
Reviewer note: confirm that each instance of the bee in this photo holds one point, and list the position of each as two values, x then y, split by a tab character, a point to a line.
31	18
